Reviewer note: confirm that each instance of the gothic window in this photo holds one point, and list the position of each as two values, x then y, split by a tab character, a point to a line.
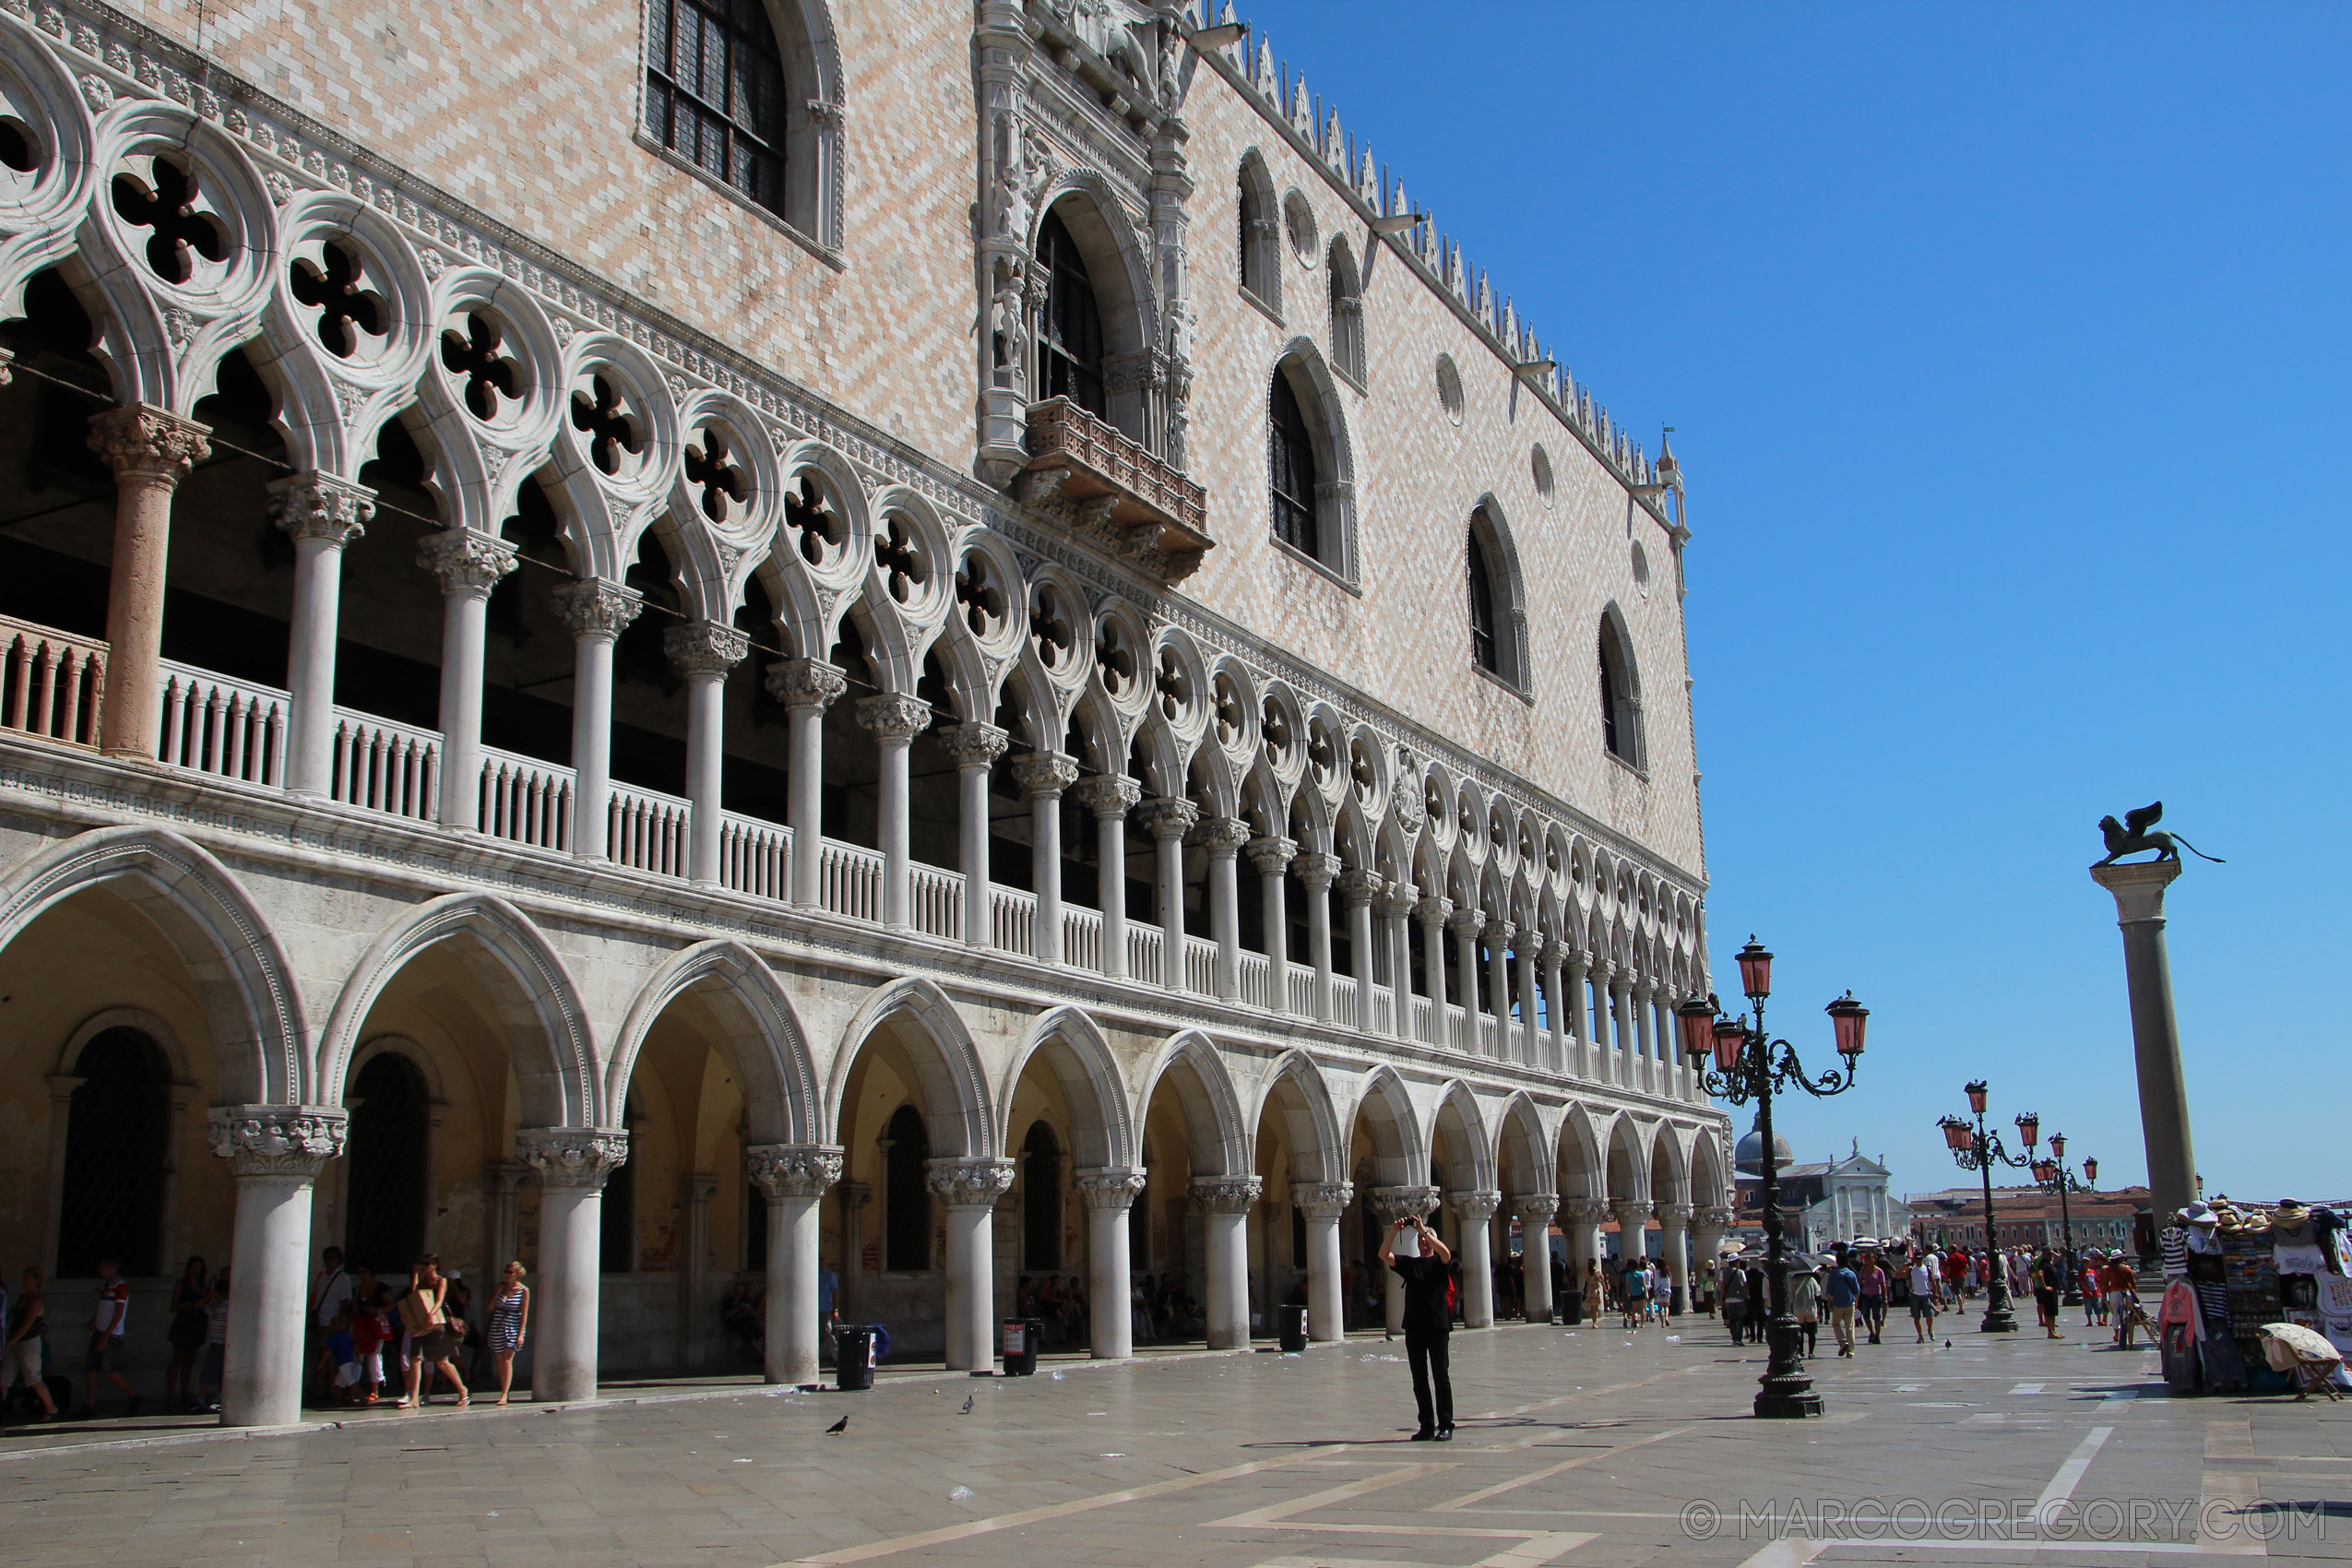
384	1200
117	1125
1498	627
1484	648
1040	1199
1290	470
715	92
1259	253
1346	315
1621	693
1071	339
906	1194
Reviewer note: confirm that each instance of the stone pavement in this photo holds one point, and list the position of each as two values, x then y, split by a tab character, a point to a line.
1593	1448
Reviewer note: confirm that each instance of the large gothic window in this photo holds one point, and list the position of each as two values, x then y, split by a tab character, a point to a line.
1497	599
1259	252
1071	342
716	92
906	1194
385	1201
1620	698
1486	647
1346	315
116	1128
1290	470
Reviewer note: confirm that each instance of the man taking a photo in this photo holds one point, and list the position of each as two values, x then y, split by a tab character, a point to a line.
1420	1263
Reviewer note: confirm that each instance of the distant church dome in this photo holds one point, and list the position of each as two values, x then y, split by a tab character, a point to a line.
1747	1155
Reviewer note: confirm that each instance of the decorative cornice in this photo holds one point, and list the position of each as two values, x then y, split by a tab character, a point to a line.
573	1156
282	1142
1225	1195
791	1171
968	1183
318	506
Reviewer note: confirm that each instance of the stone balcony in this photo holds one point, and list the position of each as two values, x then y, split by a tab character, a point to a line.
1139	504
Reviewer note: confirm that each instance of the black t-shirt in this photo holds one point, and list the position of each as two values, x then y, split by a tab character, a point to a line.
1425	1306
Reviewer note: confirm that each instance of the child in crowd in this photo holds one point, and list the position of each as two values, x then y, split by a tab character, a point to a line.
339	1364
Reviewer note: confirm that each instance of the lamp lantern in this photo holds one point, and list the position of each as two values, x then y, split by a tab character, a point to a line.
2030	1126
1755	970
1696	1019
1977	1096
1957	1134
1846	1017
1731	1034
2057	1146
2091	1169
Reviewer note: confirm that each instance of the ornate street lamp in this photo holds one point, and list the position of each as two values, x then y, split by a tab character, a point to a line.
2052	1175
1976	1149
1750	1064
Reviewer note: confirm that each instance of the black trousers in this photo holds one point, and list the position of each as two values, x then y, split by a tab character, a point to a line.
1425	1348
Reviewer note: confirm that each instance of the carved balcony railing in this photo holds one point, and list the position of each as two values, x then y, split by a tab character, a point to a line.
1137	502
51	684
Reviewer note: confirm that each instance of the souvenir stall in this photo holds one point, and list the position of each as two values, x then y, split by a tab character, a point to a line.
2232	1270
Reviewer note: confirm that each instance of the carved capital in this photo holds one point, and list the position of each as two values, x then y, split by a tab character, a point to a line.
805	682
573	1156
791	1171
1555	953
289	1141
146	445
1434	911
1225	1195
1718	1216
1168	818
1109	1188
1392	1203
894	716
1475	1208
1317	871
1630	1214
1272	856
968	1183
1584	1211
1467	922
1499	934
1536	1210
595	608
1110	796
1674	1216
1222	837
704	647
974	745
317	505
1322	1200
466	562
1360	887
1044	773
1403	898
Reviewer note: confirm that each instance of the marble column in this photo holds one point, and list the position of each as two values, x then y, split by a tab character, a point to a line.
792	1177
1585	1217
894	719
854	1197
1224	1203
1534	1211
1358	889
694	1192
968	1191
1432	913
1645	1043
322	514
704	651
1042	776
595	612
1323	1202
1223	838
806	687
1708	1227
150	450
1560	1011
974	749
1674	1080
1499	934
1575	1005
1111	797
1388	1206
502	1184
1674	1220
1621	999
275	1153
1633	1217
61	1111
1531	1049
1395	946
1604	1057
1466	924
573	1164
468	565
1474	1215
1167	821
1109	1195
1272	857
1316	873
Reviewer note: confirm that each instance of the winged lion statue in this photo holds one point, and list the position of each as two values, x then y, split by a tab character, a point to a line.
2132	835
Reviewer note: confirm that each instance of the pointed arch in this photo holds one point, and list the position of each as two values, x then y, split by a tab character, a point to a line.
1521	1147
240	970
954	1082
1669	1176
1311	464
1581	1173
1195	1072
1620	691
1628	1160
1075	1049
1347	293
1498	598
1385	1101
1456	1103
1099	276
782	1100
1296	1091
1707	1188
1257	262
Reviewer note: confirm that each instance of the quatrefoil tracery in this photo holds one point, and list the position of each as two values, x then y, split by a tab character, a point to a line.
477	358
1174	685
601	411
898	557
335	285
1050	629
166	202
977	599
809	513
1115	660
720	484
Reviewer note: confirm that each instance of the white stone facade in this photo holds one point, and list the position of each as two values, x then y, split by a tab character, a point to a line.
971	645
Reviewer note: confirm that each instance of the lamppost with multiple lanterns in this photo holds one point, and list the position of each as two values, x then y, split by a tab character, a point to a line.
1750	1064
1980	1149
2052	1176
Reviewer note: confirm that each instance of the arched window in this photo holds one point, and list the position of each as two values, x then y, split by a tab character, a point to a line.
1309	476
1485	649
1621	694
906	1194
1290	470
383	1206
1070	340
116	1128
716	93
1346	315
1498	624
1258	231
1040	1199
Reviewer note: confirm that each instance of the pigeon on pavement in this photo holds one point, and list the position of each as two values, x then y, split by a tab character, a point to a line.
837	1428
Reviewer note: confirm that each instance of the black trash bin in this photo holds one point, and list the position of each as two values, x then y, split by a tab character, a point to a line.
853	1357
1572	1307
1290	1323
1021	1337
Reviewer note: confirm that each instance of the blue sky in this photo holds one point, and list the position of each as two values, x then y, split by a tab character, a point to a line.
2006	347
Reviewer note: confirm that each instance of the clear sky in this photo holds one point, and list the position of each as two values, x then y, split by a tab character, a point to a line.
2006	348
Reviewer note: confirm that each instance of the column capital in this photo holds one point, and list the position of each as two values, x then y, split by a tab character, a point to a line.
1499	934
1272	855
894	716
466	561
1109	1187
288	1141
855	1194
1044	773
1467	922
805	682
1317	870
1555	953
1631	1214
1643	989
1403	900
140	441
597	606
1579	965
1621	979
1674	1215
1360	888
791	1171
968	1183
2138	888
697	1187
1225	1195
1110	796
1584	1211
319	506
1222	837
1719	1215
1167	818
1322	1200
1392	1203
573	1156
704	647
974	745
1532	1207
1475	1208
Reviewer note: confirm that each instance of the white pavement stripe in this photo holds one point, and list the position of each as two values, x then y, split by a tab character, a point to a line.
2029	1388
2239	1492
2070	1475
1548	1471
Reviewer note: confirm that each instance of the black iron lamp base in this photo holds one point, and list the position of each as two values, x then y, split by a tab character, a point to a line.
1787	1399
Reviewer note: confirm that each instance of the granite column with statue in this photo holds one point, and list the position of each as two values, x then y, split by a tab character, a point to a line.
2155	1035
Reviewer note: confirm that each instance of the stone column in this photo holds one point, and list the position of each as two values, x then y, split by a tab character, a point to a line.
1585	1217
1357	888
1499	934
1604	1059
275	1153
322	514
974	749
1109	1195
704	651
1574	1001
694	1192
792	1177
894	719
573	1164
1395	943
2156	1036
1473	1213
468	565
1560	1012
1632	1216
1644	1044
806	687
967	1190
1323	1202
1432	913
1707	1229
853	1198
150	451
1466	925
1272	856
1389	1204
594	612
1531	1049
1223	838
502	1184
1111	797
1674	1219
1042	776
1316	873
1620	996
1534	1211
1224	1203
1167	821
